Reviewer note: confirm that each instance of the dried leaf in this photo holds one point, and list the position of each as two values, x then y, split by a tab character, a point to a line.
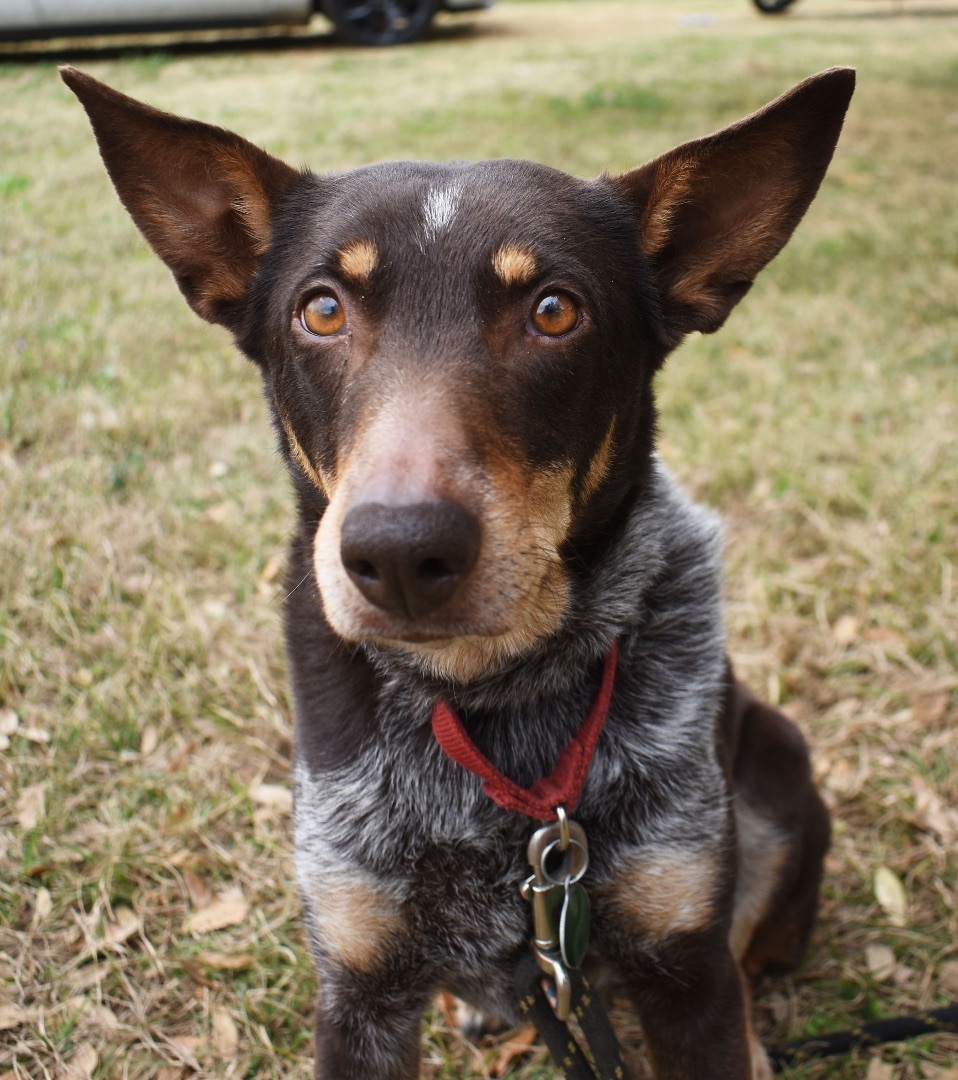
229	910
890	894
879	1070
881	961
83	1063
187	1045
225	961
9	722
35	734
42	906
275	796
845	630
149	740
225	1034
30	806
124	925
948	976
516	1046
930	710
932	815
201	895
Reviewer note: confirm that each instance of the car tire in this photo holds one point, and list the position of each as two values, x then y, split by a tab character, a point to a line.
772	7
380	22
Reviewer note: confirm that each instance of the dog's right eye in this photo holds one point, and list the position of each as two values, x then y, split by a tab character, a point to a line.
323	315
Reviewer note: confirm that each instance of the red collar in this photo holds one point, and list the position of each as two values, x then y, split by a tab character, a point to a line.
562	788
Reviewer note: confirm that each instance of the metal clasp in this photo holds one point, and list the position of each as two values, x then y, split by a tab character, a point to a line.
559	856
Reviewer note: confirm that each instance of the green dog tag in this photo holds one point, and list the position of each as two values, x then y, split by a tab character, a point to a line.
574	922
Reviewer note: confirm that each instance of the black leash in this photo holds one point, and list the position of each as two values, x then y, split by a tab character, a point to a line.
893	1029
601	1056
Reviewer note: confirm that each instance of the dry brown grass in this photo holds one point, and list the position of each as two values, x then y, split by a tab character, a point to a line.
148	920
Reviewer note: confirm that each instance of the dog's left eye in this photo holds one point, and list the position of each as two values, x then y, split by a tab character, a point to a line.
323	315
554	314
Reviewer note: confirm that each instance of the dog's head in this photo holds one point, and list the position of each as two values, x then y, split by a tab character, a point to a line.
459	357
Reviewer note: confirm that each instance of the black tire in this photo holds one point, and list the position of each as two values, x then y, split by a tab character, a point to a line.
772	7
380	22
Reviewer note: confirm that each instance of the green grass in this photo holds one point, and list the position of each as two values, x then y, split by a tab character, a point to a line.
142	682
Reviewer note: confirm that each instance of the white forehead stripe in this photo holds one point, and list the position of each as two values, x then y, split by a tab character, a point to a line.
439	208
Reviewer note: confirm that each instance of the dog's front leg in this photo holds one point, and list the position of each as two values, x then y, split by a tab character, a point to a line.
695	1018
367	1028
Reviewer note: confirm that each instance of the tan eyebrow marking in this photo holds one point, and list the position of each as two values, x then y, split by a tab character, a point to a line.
358	260
514	265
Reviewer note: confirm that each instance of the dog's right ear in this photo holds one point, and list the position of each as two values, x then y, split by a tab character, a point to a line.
203	197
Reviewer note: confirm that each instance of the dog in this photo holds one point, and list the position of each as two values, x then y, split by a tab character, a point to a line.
458	360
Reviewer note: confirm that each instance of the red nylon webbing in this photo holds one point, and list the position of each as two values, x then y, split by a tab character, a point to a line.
562	788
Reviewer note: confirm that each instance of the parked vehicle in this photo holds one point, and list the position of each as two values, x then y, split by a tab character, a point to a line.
772	7
362	22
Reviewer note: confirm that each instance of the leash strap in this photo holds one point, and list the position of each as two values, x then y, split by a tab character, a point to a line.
893	1029
601	1057
562	788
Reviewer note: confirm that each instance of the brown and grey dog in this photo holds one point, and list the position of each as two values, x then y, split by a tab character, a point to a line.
459	361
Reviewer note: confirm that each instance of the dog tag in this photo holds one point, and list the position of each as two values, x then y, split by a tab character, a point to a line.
574	924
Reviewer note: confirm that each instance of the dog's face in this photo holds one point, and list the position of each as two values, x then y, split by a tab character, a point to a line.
455	376
459	357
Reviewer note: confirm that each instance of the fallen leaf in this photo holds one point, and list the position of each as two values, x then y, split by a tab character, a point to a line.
201	895
187	1045
890	894
35	734
30	806
149	740
516	1046
83	1062
948	976
880	960
275	796
880	1070
932	815
225	1034
930	710
42	906
845	630
9	722
230	909
124	925
225	961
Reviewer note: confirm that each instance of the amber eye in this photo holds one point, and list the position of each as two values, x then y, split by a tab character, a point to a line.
323	315
555	314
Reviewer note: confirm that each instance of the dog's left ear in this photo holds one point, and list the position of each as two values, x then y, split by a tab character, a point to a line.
203	197
713	212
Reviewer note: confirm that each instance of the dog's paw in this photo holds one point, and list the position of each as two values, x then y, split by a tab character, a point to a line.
761	1066
475	1024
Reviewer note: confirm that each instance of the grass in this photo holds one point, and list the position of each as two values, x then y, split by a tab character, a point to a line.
144	722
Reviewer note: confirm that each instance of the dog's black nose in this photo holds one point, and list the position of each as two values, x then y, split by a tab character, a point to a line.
409	560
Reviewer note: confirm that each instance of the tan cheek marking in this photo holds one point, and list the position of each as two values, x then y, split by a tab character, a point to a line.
356	921
358	260
319	478
549	501
514	265
667	892
599	466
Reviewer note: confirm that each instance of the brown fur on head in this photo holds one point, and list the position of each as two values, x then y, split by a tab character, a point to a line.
440	387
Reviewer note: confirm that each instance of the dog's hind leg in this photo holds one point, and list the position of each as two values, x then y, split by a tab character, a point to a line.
783	834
